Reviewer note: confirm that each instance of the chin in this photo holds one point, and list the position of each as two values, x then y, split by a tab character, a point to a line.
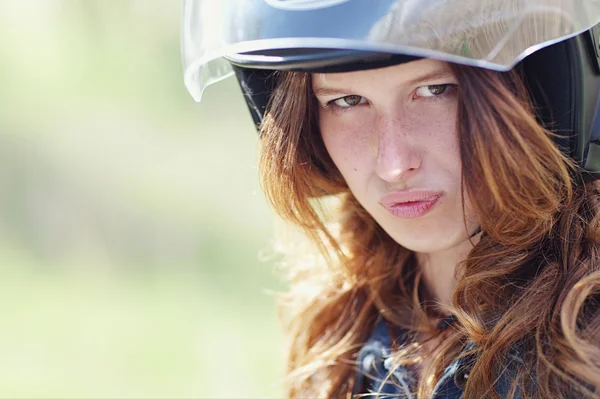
422	247
430	241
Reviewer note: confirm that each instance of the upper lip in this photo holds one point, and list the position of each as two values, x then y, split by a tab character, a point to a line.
410	195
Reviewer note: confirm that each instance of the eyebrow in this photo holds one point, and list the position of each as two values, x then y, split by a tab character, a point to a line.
433	75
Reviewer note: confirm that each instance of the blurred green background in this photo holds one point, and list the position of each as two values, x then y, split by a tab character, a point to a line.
131	218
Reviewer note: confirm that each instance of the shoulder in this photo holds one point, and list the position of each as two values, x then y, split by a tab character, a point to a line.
376	373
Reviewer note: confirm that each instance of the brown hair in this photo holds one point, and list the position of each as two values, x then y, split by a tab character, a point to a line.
532	282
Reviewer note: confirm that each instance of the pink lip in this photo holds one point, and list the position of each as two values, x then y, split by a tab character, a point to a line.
410	204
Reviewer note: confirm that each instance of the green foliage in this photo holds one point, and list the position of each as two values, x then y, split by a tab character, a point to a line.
131	217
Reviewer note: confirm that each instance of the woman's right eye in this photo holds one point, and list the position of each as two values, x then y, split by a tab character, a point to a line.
348	101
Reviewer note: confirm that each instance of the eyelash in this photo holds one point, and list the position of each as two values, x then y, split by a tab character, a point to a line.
450	88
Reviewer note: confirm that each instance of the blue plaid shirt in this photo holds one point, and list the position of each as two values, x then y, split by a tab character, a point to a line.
374	364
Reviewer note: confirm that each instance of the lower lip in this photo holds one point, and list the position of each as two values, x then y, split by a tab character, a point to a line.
412	210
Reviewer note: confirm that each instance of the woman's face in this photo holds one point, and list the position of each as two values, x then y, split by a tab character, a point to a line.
392	134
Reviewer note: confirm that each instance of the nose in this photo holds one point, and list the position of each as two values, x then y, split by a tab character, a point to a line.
398	156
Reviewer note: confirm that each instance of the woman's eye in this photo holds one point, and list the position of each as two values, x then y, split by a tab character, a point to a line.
432	90
349	101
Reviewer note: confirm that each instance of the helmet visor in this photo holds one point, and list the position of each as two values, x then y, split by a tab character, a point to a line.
494	34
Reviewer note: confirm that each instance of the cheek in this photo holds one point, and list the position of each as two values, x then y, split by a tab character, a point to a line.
439	141
445	149
348	145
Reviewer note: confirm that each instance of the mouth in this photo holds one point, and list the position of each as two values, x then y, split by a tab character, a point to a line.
410	204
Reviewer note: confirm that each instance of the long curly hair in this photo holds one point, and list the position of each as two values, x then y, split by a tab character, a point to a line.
532	281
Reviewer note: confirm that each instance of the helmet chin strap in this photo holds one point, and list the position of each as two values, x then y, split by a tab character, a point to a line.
446	322
477	231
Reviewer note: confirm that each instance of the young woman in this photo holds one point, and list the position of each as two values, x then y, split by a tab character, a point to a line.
446	181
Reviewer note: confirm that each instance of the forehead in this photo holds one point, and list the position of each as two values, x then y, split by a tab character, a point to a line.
402	73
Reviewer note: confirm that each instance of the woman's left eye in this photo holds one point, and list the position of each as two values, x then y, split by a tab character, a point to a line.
433	90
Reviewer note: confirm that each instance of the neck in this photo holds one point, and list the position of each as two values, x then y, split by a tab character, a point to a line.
439	270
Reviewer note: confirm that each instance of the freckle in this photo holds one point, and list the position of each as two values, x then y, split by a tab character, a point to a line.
356	169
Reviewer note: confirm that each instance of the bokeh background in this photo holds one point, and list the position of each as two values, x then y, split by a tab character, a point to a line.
131	218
